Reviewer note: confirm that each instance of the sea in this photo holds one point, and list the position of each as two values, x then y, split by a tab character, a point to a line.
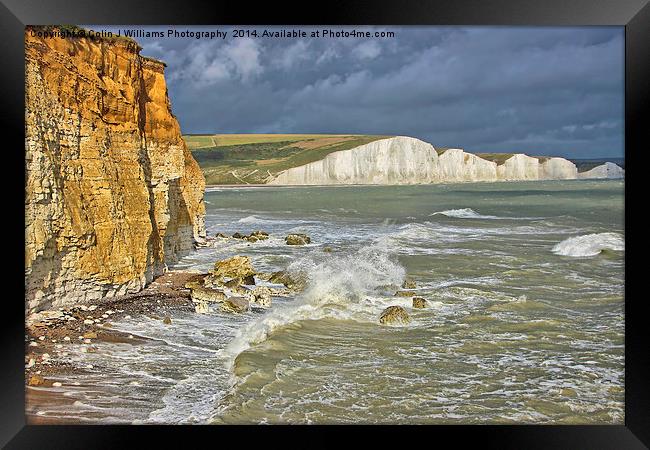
524	283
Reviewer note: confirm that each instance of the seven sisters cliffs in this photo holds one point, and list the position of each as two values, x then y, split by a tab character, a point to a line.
405	160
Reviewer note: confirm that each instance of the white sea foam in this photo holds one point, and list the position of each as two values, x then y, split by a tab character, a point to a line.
468	213
464	213
337	286
417	238
590	244
248	219
271	221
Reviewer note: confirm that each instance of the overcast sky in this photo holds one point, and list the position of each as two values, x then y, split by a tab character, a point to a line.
537	90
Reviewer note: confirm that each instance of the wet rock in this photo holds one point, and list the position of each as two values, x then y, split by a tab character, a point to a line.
44	318
409	283
209	281
263	275
419	302
291	281
90	335
221	235
235	267
327	249
280	292
192	285
36	380
239	289
262	296
237	236
251	238
200	294
203	243
297	239
394	315
259	235
167	320
404	294
202	308
235	304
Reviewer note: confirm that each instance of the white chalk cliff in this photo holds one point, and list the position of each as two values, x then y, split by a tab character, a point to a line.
398	160
457	166
558	169
406	160
607	170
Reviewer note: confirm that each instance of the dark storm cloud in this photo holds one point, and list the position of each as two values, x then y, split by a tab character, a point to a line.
539	90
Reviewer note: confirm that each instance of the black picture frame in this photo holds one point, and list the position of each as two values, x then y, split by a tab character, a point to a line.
634	15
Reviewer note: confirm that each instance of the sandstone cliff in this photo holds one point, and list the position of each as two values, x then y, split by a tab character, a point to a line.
406	160
112	194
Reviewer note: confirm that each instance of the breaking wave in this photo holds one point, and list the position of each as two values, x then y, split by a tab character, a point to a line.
250	219
270	221
469	213
590	244
337	287
464	213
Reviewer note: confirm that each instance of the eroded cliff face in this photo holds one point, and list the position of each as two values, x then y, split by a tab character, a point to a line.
398	160
519	167
557	169
112	193
607	170
406	160
457	165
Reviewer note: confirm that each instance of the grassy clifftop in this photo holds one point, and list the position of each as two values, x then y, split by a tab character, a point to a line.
256	158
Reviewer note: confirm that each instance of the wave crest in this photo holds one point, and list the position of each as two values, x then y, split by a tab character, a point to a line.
463	213
337	286
590	244
251	219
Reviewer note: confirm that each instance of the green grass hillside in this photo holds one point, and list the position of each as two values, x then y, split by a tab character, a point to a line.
256	158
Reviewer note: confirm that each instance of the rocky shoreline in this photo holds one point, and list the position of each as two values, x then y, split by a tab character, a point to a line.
49	333
233	286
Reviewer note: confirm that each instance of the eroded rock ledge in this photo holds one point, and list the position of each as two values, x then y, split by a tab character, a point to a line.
112	193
